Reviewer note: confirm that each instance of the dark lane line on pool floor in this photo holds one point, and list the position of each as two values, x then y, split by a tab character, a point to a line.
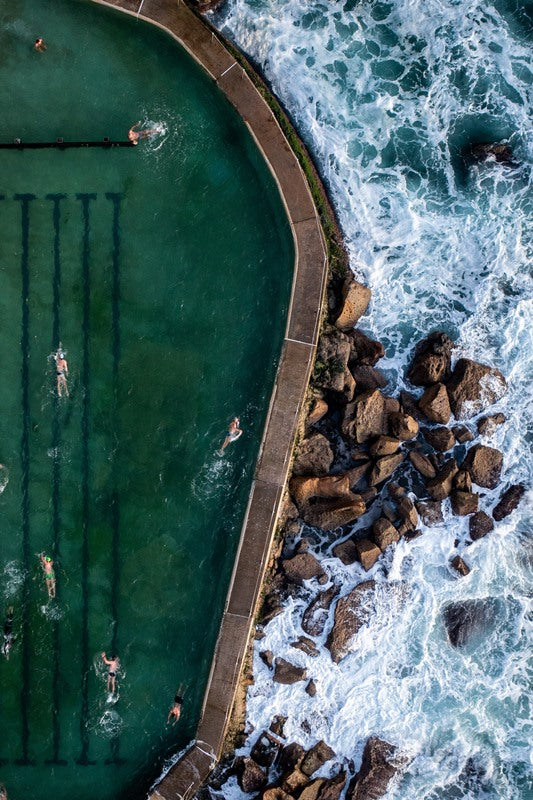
24	200
56	480
3	760
83	759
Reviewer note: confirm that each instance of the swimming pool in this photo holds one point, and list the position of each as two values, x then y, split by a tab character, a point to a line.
164	270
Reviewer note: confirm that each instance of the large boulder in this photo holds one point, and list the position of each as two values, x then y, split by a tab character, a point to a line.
367	377
313	789
251	776
365	351
403	426
508	501
473	387
377	770
441	485
333	514
434	404
316	757
275	793
351	613
314	456
384	446
302	567
384	467
469	620
365	417
440	439
464	503
384	533
479	525
430	512
316	614
291	756
484	464
285	672
318	410
265	749
460	566
293	781
407	511
487	425
367	552
431	360
422	464
346	551
355	297
333	787
303	488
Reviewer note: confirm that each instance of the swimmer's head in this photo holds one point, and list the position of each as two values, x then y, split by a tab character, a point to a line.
47	558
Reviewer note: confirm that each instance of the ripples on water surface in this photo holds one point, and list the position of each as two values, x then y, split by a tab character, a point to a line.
387	96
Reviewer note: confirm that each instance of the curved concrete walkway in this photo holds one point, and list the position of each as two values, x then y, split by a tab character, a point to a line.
297	356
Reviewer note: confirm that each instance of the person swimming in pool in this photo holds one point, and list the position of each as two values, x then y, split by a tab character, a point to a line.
134	136
113	665
49	574
232	434
39	45
9	636
175	710
61	373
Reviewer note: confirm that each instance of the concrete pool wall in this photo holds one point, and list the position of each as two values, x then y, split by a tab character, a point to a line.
297	356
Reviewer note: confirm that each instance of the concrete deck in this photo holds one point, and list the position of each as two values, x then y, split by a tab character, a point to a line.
310	271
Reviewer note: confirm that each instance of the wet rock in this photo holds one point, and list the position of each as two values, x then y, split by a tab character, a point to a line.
484	465
462	481
508	501
277	725
302	567
392	405
464	503
367	552
408	512
288	673
441	485
333	787
293	781
316	757
291	756
275	793
365	351
431	360
395	490
487	425
368	378
316	614
357	473
365	417
460	566
333	514
430	512
303	488
376	772
251	776
467	620
473	387
500	152
402	426
272	605
441	439
384	533
318	411
384	467
311	688
434	404
346	551
306	645
479	525
356	298
384	446
314	456
410	535
409	404
462	434
351	613
422	464
368	495
267	657
312	791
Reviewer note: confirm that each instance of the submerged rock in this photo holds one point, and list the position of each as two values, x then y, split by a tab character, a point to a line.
508	501
377	770
467	620
501	152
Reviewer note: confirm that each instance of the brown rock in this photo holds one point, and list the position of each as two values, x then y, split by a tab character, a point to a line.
464	503
250	776
288	673
316	757
410	535
277	725
431	360
318	411
441	439
333	787
395	490
479	525
331	363
508	501
462	481
312	791
441	485
392	405
356	474
333	514
384	533
265	749
294	780
484	465
364	350
487	425
302	567
430	512
473	387
314	457
459	565
409	404
422	464
435	405
384	446
303	488
367	495
365	417
291	756
462	434
368	378
316	613
402	426
377	770
351	613
346	551
311	688
267	657
275	793
367	552
356	298
306	645
408	512
384	467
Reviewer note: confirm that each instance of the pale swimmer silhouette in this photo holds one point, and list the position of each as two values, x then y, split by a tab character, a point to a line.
4	477
146	133
233	433
61	372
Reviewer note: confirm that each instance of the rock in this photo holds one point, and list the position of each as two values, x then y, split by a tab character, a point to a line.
346	551
460	566
365	417
288	510
384	446
431	360
500	152
318	411
508	501
435	405
479	525
291	756
316	613
316	757
422	464
377	770
314	456
267	657
303	488
367	495
468	619
384	467
462	481
306	645
272	606
355	474
409	404
408	512
311	688
312	791
288	673
410	535
333	787
364	351
392	405
403	426
441	485
441	439
464	503
368	378
367	552
356	298
462	434
333	514
331	365
277	725
484	465
430	512
275	793
487	425
351	613
473	387
293	781
395	490
302	567
250	776
384	533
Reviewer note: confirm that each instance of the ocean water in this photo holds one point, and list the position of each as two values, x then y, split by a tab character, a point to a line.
388	96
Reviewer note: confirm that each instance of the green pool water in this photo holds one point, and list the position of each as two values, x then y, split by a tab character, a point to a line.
165	272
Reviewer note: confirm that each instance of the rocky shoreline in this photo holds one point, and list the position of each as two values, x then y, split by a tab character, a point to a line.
394	458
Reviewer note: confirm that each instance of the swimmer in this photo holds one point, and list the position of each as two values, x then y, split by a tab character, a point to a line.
61	373
113	665
49	574
39	45
134	135
3	792
175	710
9	636
232	435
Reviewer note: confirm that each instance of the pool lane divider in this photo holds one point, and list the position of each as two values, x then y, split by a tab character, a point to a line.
25	200
60	144
85	199
56	481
